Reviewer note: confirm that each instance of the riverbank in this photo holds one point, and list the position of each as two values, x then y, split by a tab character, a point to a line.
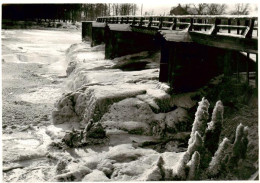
43	25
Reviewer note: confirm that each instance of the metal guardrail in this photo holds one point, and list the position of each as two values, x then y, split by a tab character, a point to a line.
244	25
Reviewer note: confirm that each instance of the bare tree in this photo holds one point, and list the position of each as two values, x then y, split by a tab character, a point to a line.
200	9
241	9
216	9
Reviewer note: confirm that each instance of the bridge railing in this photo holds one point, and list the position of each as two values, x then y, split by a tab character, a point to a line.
239	25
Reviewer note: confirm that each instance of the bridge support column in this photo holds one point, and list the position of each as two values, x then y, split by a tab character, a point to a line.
190	65
87	31
93	31
125	42
164	62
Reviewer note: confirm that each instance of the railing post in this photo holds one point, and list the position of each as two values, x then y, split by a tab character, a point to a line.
161	23
199	21
141	21
127	20
250	32
174	25
122	20
133	23
238	23
205	22
246	24
150	22
191	24
229	23
216	28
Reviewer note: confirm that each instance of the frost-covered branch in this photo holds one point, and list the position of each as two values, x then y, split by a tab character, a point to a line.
201	118
204	142
214	128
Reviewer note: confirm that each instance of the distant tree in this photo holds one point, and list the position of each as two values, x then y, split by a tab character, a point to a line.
216	9
199	9
241	9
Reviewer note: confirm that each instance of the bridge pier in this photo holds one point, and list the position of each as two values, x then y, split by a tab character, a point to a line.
120	40
188	66
94	32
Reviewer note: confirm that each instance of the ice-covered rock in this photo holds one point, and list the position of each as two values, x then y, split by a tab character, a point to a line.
91	102
76	174
132	127
183	100
96	175
177	120
130	109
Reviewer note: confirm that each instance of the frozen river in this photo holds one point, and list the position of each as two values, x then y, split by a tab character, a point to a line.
33	71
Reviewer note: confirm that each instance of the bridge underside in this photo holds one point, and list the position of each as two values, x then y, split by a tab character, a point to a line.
188	59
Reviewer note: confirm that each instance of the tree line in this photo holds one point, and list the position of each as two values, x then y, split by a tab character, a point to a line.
79	12
209	9
65	12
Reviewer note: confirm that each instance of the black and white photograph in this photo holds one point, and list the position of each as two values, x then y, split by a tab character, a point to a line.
129	91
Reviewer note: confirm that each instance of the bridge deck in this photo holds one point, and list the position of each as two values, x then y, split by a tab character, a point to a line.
227	31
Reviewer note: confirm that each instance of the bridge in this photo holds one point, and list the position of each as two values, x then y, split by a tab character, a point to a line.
194	48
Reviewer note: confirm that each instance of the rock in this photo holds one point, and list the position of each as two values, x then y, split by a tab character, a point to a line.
61	166
96	132
76	175
153	174
131	127
106	166
91	102
96	175
130	109
183	100
177	120
126	153
78	138
172	146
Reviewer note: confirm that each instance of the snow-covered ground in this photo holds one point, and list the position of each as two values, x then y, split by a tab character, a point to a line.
132	106
54	85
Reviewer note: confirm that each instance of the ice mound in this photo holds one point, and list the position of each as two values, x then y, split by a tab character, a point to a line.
119	163
91	102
